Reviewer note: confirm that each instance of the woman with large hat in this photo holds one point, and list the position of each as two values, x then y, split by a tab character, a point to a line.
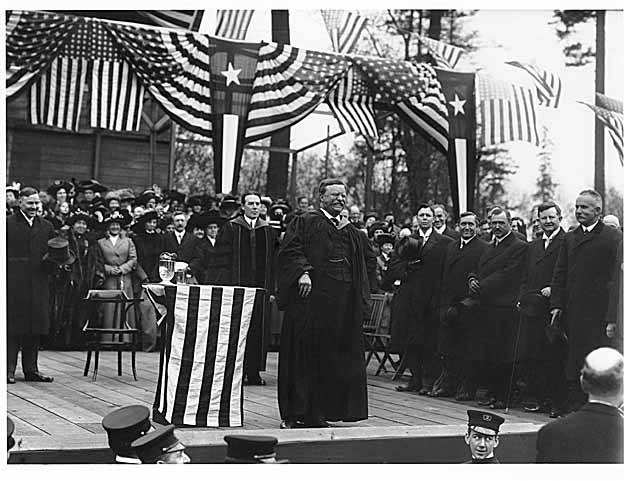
149	245
120	259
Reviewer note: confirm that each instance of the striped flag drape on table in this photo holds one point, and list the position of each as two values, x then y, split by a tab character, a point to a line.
505	112
55	98
233	23
33	40
548	84
344	28
201	371
179	19
352	105
446	55
610	112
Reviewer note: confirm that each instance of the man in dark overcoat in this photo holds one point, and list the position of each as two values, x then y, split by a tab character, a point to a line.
595	433
457	319
496	284
582	282
27	285
324	266
245	256
180	241
545	358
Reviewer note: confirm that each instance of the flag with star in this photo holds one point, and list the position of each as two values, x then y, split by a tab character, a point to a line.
459	91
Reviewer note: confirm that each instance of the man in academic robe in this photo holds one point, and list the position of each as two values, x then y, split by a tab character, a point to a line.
495	285
180	242
456	315
324	265
245	255
545	359
582	283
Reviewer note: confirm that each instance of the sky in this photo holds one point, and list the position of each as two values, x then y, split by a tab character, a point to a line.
503	35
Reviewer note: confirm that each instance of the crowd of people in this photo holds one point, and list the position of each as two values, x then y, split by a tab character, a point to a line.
483	306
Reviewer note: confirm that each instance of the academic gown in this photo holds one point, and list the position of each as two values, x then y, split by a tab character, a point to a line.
321	372
245	257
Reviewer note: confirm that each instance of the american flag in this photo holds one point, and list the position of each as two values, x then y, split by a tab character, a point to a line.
609	111
446	55
413	90
33	40
505	112
548	84
233	23
174	68
201	367
289	84
178	19
344	29
116	92
352	104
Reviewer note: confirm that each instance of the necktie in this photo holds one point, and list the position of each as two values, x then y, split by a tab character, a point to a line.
546	243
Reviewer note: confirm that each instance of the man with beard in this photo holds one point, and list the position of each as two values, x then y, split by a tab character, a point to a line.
495	284
439	222
245	251
457	316
546	360
28	318
324	264
582	282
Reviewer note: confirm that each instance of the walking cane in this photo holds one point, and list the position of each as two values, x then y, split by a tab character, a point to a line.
513	366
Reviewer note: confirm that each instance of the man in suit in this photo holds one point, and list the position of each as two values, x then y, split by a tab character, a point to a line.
594	433
495	284
545	359
482	436
456	317
180	241
420	355
582	283
439	222
28	271
202	263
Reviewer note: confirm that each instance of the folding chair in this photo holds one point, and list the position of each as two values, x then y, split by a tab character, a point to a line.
377	333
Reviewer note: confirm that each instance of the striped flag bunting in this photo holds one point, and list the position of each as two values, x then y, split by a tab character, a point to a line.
33	40
233	23
548	84
177	19
446	55
289	84
344	28
352	104
201	369
609	111
505	112
116	92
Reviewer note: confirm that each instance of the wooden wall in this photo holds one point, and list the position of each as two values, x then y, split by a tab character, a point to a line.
37	154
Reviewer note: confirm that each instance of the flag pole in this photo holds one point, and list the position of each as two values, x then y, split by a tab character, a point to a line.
599	150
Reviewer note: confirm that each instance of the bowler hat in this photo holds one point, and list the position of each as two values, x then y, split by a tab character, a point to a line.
58	251
10	431
534	304
125	425
57	185
244	449
157	443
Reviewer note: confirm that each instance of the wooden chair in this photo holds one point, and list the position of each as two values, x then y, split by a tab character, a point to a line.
122	336
377	334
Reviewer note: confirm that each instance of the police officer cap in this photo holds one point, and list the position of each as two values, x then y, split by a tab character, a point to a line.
125	425
484	422
157	443
249	449
10	431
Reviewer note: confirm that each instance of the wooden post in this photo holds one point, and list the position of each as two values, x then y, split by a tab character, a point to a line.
327	169
172	155
293	179
97	155
599	151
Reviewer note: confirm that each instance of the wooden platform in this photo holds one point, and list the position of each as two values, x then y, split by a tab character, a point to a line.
67	413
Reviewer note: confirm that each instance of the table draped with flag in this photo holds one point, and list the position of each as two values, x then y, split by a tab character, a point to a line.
201	361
